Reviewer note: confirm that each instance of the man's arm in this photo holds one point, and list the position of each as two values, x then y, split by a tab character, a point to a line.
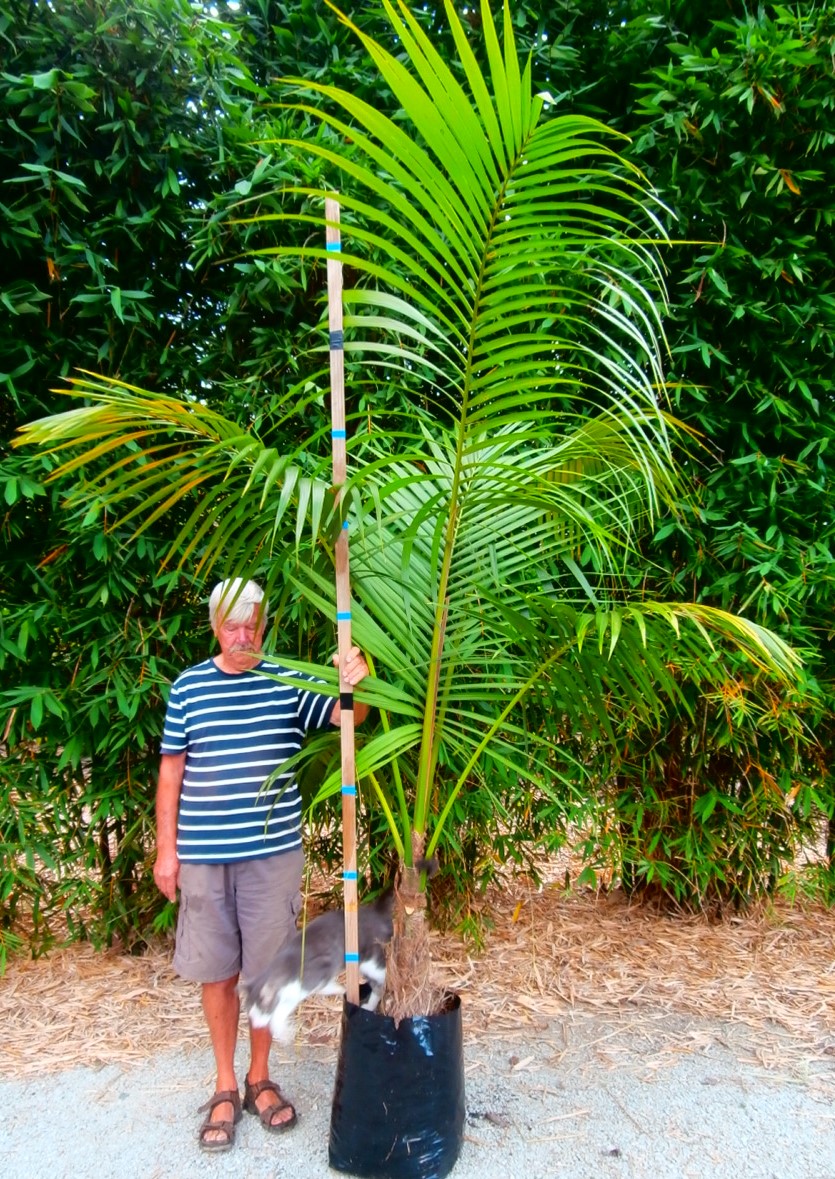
355	670
167	866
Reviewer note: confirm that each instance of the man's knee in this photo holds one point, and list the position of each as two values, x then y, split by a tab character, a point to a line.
225	986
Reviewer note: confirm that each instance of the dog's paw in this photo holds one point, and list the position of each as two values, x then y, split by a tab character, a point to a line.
372	1002
283	1030
259	1018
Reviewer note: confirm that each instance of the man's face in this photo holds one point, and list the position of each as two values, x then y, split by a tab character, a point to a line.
240	642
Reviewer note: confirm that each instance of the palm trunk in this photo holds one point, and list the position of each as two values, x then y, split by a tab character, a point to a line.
410	988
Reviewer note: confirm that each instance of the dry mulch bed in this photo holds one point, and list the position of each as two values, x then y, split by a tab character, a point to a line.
552	961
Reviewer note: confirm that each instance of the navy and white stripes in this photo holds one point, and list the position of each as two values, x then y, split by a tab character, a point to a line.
235	731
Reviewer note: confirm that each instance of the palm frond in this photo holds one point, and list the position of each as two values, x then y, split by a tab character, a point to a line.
168	452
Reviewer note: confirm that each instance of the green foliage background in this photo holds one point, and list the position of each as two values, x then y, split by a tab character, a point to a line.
136	146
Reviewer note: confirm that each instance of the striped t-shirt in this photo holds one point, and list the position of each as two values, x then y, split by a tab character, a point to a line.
235	730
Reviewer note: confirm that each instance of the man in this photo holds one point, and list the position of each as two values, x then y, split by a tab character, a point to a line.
233	851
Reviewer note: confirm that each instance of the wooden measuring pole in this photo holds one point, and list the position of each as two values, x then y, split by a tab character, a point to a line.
343	603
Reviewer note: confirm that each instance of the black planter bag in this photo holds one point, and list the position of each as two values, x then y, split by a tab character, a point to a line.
398	1103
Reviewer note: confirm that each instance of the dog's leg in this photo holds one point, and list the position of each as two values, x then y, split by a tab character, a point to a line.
375	975
280	1018
332	987
259	1009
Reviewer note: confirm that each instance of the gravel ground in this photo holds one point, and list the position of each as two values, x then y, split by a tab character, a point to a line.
587	1099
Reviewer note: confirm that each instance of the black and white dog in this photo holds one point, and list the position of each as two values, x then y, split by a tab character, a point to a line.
310	962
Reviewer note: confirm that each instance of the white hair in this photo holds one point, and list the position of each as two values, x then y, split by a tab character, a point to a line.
243	598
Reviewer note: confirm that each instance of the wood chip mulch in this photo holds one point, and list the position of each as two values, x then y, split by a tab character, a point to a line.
552	961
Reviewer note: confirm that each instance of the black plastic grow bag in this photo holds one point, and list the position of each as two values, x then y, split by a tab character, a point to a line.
398	1103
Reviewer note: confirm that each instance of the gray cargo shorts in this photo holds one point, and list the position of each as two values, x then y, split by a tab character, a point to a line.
233	917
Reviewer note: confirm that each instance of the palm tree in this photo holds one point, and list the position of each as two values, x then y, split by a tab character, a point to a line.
509	278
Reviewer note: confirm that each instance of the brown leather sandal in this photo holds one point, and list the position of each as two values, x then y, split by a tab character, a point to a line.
224	1127
251	1095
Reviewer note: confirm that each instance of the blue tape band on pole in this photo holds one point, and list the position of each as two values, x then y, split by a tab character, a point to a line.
337	340
349	790
333	247
338	434
345	525
352	957
349	876
343	616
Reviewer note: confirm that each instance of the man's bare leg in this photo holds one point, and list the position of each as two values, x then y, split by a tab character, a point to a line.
260	1041
221	1008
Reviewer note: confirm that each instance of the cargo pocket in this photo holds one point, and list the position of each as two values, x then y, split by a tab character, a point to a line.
182	938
